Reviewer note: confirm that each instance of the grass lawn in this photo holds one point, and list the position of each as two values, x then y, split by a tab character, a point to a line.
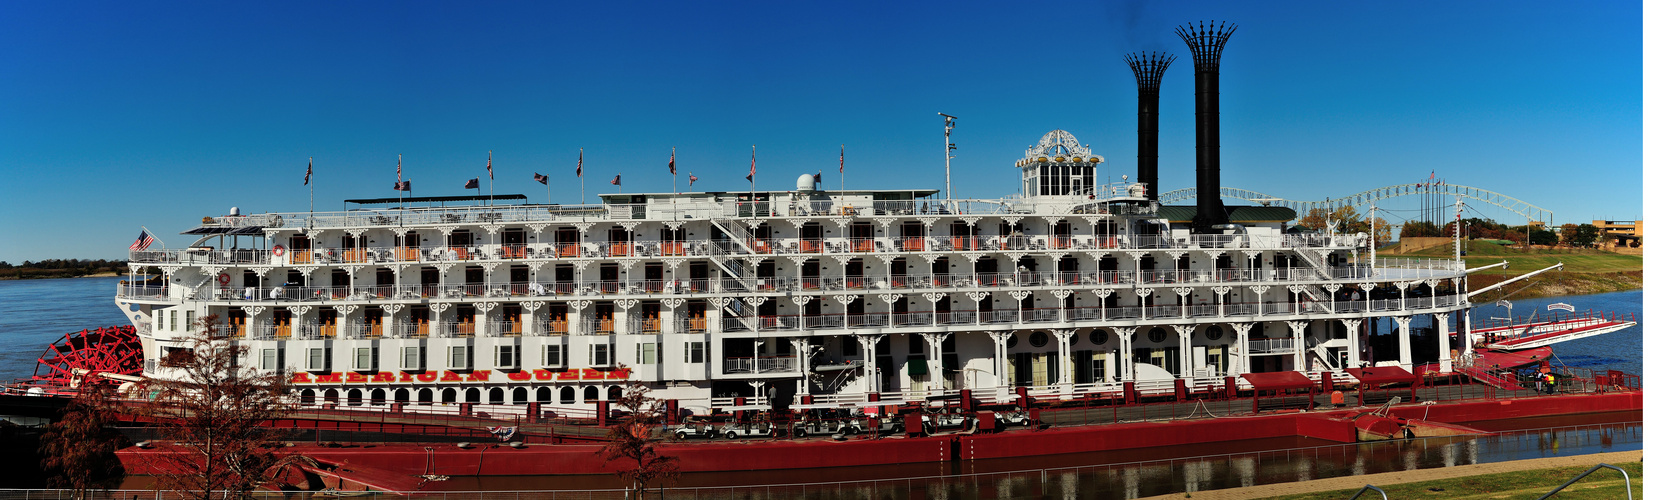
1520	261
1602	484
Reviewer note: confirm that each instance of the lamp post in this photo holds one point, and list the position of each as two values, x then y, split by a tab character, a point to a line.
950	124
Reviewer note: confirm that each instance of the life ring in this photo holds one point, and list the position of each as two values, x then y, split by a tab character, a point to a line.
278	250
224	278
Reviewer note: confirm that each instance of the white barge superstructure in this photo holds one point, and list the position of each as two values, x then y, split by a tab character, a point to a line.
806	298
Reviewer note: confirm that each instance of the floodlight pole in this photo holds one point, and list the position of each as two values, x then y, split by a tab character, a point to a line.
950	124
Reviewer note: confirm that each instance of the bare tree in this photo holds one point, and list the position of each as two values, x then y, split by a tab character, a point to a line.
212	411
79	451
636	438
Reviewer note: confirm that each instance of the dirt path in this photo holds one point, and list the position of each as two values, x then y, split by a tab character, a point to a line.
1387	478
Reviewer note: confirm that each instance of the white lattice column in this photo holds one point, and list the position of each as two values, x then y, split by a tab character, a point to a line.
1187	350
1143	296
845	299
531	317
937	372
577	311
1404	340
873	373
802	353
1468	336
1332	288
1102	295
975	300
1259	298
1297	331
1065	360
1182	292
1219	292
1353	348
1001	357
1444	330
1243	362
1402	285
671	317
1063	298
1126	363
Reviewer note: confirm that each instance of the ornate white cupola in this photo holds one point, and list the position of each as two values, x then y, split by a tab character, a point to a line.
1059	166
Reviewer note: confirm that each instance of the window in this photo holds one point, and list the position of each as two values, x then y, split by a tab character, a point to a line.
696	352
269	359
602	355
412	358
1099	337
648	354
554	356
1037	339
1157	335
505	356
363	359
190	315
317	361
458	357
174	320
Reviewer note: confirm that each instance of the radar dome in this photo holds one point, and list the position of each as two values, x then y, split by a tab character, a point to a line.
804	183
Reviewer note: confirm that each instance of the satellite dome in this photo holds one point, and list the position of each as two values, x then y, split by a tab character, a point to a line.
804	183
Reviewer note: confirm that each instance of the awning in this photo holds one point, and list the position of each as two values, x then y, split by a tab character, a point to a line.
1278	381
1382	375
917	367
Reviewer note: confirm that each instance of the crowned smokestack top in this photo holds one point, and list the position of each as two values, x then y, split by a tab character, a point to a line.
1148	69
1206	42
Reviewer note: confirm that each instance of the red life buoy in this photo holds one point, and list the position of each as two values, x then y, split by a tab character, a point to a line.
224	278
278	250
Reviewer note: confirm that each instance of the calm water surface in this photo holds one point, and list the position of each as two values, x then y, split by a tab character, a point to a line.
36	313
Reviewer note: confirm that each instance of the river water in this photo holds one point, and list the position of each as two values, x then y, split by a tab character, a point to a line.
35	313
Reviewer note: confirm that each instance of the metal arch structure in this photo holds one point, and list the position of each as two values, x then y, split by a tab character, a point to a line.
1506	202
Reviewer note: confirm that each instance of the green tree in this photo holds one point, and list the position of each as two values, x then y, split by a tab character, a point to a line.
636	438
1586	235
216	408
79	449
1544	237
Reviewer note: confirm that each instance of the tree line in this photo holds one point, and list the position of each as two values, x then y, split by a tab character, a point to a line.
60	268
1347	220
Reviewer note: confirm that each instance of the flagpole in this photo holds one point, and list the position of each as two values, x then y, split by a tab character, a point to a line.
753	207
842	167
490	179
310	188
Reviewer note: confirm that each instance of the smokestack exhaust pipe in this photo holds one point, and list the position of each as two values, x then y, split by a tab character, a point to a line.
1148	68
1206	42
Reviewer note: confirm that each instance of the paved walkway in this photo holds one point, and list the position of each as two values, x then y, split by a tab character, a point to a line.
1386	478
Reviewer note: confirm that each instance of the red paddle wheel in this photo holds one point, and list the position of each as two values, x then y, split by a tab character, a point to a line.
112	349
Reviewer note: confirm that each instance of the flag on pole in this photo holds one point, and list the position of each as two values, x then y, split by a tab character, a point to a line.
490	164
309	175
580	161
617	180
842	161
817	178
751	176
693	180
541	178
472	184
145	240
397	169
403	186
671	171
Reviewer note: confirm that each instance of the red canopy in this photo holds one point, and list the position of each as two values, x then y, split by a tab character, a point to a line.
1278	381
1382	375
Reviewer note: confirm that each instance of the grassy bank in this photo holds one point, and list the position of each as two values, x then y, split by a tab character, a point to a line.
1584	271
1605	483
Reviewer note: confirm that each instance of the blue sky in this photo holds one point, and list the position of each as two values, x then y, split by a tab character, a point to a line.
114	115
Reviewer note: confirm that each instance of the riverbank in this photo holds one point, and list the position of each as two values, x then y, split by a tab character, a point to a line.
1538	476
1584	271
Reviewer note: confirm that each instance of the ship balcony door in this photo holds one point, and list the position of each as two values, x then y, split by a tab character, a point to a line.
327	323
911	234
558	319
373	322
236	321
281	324
513	244
513	320
385	283
301	251
409	246
466	326
699	321
568	241
421	321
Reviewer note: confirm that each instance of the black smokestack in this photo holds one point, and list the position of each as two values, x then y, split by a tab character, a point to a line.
1207	41
1148	69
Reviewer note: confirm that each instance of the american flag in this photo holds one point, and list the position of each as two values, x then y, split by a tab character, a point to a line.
397	169
842	161
751	176
617	180
693	180
490	164
309	175
541	178
144	241
579	162
671	171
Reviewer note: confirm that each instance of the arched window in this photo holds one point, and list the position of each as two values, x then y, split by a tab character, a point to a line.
449	395
472	395
566	395
496	396
354	397
590	394
615	393
307	397
377	397
543	395
519	396
425	396
403	395
331	396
